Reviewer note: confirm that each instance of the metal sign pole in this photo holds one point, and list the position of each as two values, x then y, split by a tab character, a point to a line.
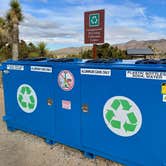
94	51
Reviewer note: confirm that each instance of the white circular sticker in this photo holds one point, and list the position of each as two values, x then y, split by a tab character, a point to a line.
26	98
122	116
66	80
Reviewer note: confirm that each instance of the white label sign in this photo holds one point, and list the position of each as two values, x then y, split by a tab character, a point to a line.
41	69
15	67
146	75
164	98
97	72
66	104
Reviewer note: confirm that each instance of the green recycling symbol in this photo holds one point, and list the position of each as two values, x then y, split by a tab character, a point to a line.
122	116
26	98
94	20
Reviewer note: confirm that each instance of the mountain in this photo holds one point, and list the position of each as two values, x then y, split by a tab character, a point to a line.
158	45
71	50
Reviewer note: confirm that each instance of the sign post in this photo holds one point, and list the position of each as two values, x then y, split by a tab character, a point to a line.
94	28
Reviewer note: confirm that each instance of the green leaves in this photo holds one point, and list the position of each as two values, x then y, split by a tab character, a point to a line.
105	51
15	10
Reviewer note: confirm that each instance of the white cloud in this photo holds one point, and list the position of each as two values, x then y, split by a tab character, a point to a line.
124	22
158	22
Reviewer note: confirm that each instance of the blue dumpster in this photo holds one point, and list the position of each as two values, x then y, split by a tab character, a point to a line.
125	111
111	108
38	94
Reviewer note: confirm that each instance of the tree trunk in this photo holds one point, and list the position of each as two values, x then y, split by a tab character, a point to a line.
15	51
15	42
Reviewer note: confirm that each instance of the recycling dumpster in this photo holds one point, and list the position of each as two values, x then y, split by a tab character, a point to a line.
124	111
111	108
39	98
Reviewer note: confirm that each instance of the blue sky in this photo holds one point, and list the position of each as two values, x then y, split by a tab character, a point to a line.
59	23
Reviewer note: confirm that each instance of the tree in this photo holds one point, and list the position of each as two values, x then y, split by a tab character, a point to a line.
3	33
105	51
42	49
14	17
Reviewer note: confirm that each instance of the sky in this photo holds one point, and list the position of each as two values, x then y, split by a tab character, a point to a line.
60	23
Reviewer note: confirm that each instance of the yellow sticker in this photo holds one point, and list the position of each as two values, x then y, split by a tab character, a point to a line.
163	89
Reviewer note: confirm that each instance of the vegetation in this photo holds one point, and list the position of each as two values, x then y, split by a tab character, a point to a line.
105	51
42	49
10	45
13	18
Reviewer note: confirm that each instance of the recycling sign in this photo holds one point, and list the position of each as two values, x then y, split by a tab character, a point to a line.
26	98
94	20
122	116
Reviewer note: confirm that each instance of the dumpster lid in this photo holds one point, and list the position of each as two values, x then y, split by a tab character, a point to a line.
63	60
148	61
151	61
103	61
34	59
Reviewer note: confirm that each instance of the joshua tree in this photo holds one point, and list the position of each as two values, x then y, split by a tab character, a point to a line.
3	33
42	49
14	17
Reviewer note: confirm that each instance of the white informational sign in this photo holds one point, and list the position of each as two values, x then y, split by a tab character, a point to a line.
15	67
66	104
146	75
164	98
66	80
97	72
41	69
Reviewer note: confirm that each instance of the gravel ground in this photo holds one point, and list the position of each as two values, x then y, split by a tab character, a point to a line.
21	149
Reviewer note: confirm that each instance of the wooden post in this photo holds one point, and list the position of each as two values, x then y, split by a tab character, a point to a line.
94	51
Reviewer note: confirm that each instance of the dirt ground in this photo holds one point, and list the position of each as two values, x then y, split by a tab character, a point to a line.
21	149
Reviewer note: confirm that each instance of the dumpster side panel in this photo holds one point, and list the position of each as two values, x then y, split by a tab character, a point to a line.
147	145
40	121
68	106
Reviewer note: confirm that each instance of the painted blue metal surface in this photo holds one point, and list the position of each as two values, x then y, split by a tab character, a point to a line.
54	123
64	120
42	121
145	148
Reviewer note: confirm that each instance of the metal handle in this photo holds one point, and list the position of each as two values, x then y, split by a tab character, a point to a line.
49	102
84	108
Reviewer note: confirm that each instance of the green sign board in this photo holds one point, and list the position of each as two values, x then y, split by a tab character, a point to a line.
94	20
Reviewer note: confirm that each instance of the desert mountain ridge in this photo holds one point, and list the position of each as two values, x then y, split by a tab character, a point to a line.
159	46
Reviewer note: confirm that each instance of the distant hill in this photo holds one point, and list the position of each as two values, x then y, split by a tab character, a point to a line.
158	45
71	50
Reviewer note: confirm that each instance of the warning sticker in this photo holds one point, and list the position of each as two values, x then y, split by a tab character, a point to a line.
15	67
41	69
66	80
146	75
163	88
66	104
97	72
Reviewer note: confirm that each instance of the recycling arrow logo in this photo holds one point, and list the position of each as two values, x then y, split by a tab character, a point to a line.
122	116
26	98
94	20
